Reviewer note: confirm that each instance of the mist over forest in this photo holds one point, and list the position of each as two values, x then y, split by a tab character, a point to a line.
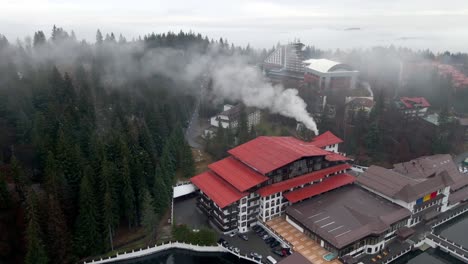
93	132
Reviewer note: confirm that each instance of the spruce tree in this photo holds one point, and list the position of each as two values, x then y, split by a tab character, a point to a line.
5	198
58	236
109	203
36	251
187	162
19	178
128	194
149	218
87	239
160	193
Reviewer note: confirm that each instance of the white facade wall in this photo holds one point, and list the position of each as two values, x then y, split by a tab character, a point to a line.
291	222
327	76
332	148
224	120
272	206
246	205
252	120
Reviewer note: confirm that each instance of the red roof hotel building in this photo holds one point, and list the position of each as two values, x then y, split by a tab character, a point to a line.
263	176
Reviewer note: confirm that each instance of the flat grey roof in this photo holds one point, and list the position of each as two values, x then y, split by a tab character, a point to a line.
295	258
345	215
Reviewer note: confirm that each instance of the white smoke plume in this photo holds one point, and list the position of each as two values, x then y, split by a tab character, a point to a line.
234	79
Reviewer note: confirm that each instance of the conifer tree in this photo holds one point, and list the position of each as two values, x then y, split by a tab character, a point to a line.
149	218
128	194
160	193
36	251
109	207
5	198
87	237
58	236
187	162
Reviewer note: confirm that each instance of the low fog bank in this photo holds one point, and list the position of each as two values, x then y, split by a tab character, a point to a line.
232	75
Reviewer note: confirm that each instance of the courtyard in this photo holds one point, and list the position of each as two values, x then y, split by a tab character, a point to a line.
299	241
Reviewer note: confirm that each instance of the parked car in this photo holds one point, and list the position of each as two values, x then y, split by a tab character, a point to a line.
269	240
256	256
233	234
287	251
236	250
274	244
262	233
244	237
265	237
279	253
223	242
256	227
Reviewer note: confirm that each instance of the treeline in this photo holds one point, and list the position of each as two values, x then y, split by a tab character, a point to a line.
81	154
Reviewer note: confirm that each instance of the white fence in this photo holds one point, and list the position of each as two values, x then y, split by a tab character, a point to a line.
158	248
170	245
450	217
453	248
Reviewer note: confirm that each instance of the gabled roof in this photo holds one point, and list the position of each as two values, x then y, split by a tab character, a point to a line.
300	180
326	139
408	102
426	166
398	186
217	189
237	174
265	154
326	185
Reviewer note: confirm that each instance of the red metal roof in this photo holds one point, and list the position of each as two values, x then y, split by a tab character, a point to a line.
409	101
303	179
336	157
265	154
326	185
221	192
326	139
237	174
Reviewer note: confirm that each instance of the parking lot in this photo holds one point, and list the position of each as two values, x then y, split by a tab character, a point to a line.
254	244
187	213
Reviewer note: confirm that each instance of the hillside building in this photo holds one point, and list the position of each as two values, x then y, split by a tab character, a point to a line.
263	176
426	186
231	115
285	62
412	107
327	74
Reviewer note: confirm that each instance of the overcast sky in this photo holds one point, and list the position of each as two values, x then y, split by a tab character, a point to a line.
435	24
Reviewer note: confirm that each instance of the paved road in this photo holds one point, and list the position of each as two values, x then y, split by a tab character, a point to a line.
194	129
187	213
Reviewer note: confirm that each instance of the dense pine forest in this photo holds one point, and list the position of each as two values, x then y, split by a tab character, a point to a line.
91	141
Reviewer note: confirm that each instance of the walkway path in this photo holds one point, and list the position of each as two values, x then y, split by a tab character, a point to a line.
300	242
451	246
